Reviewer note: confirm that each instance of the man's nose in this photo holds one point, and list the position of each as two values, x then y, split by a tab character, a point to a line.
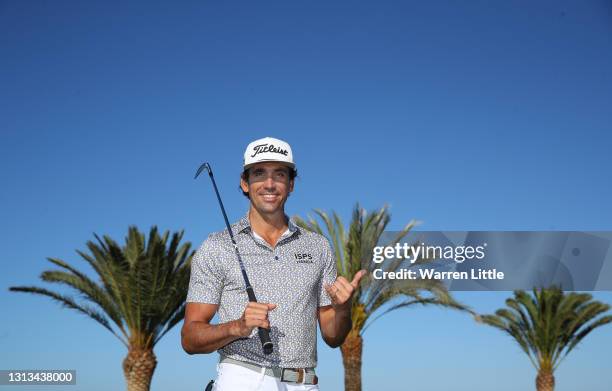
269	182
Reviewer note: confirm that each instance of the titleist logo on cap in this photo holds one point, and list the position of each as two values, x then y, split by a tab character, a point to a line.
268	149
262	148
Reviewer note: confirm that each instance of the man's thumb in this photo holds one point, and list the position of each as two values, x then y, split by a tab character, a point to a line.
357	278
271	306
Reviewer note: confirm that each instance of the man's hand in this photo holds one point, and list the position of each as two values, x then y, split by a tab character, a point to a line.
341	291
254	315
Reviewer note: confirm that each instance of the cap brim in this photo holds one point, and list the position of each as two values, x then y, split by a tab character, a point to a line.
288	164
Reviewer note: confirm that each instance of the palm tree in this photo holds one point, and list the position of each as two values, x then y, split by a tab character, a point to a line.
353	252
142	290
548	325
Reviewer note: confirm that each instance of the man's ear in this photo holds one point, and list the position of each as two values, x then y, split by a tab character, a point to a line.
291	183
244	185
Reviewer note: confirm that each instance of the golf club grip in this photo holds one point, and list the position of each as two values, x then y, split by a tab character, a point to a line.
266	342
264	334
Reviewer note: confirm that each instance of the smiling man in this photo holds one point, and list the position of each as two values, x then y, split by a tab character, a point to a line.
293	274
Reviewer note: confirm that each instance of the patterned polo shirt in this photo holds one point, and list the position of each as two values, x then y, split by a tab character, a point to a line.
291	275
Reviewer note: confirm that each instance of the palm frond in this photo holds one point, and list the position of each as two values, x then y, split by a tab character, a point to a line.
548	323
143	284
412	291
353	248
69	302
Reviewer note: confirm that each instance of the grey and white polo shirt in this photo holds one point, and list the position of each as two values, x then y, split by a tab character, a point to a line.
291	275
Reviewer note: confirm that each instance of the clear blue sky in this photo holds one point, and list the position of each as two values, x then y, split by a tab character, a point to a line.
475	115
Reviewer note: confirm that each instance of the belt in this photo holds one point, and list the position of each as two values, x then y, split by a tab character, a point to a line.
292	375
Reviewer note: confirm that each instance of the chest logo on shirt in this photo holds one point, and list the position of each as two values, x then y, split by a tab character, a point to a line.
303	258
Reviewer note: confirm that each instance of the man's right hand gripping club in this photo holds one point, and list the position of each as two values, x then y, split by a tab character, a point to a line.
199	336
255	315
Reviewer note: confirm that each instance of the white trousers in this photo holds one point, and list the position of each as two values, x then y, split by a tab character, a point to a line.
232	377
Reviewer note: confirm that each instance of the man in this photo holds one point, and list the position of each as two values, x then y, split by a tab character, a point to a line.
293	274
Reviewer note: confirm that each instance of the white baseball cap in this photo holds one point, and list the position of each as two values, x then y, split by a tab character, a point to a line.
268	149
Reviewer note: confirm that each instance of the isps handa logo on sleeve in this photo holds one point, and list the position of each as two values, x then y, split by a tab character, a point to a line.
303	258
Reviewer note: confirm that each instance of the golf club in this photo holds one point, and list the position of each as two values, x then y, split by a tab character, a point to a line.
264	334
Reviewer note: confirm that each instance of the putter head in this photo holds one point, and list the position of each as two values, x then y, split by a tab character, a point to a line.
202	167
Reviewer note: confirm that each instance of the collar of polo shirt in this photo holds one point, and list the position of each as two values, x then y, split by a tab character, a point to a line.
244	223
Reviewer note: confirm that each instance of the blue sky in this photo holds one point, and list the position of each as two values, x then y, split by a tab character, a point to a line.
474	115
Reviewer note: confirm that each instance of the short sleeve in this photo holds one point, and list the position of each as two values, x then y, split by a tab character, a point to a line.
206	280
329	273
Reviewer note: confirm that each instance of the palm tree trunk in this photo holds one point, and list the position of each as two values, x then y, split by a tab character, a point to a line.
138	367
351	359
545	380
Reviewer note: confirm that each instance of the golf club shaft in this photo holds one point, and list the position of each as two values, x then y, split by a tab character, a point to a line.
264	334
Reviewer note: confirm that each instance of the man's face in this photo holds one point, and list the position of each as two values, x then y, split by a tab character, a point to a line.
268	186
